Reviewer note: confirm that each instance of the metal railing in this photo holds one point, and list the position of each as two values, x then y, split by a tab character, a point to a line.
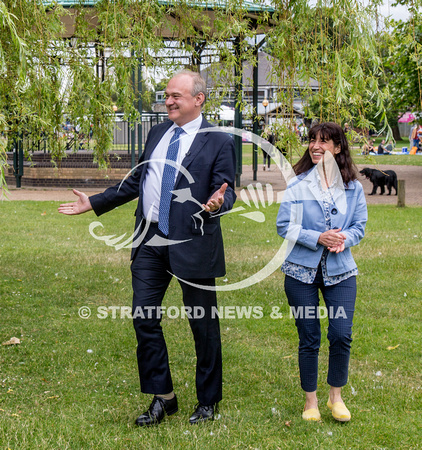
123	134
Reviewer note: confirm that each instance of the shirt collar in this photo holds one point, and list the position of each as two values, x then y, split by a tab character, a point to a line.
313	176
191	127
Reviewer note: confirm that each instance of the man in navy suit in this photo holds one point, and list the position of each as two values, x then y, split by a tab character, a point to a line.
182	239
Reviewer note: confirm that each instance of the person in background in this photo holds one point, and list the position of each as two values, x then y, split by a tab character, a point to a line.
418	141
323	214
368	147
381	147
382	150
303	132
347	128
414	136
269	136
389	147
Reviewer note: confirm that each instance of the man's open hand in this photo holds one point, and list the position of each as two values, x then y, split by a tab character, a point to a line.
216	200
80	206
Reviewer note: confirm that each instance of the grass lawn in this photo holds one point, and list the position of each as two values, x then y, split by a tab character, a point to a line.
398	160
72	383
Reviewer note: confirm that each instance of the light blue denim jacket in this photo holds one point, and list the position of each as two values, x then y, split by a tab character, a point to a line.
300	221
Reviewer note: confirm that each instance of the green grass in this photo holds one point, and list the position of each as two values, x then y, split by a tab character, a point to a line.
397	160
72	383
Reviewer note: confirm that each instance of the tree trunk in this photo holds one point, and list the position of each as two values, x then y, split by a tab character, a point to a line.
396	132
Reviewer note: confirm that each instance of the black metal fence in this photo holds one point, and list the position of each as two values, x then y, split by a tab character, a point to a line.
126	137
124	134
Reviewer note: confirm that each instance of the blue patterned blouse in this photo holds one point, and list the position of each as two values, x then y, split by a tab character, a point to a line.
307	274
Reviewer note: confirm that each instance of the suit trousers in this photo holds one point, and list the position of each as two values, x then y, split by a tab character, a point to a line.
340	305
151	275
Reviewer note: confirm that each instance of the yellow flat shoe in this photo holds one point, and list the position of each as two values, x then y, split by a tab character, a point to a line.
339	411
311	414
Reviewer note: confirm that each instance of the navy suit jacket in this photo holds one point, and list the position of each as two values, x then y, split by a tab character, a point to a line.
210	162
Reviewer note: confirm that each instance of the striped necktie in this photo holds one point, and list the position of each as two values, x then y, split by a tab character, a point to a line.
167	183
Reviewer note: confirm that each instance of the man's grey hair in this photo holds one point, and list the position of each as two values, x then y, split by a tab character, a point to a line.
199	84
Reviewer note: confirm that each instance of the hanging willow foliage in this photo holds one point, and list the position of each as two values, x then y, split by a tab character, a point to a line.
334	43
61	63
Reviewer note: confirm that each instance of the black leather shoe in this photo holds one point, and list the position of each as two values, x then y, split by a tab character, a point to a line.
203	413
157	411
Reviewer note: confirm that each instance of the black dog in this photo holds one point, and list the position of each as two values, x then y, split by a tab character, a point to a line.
381	178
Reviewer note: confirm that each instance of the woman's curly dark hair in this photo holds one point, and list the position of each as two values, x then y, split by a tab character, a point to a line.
327	131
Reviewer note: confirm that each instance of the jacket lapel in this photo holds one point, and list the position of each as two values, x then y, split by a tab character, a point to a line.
197	145
155	139
313	186
153	142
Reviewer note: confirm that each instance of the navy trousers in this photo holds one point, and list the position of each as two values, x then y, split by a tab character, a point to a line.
340	305
151	275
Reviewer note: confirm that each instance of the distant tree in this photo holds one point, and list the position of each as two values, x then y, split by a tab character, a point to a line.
401	53
341	51
397	77
404	64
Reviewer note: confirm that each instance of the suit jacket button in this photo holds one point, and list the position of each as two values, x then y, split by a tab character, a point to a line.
334	211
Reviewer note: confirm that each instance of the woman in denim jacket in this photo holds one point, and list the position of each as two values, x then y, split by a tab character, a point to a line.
322	215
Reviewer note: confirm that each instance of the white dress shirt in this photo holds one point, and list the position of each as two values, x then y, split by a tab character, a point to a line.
154	175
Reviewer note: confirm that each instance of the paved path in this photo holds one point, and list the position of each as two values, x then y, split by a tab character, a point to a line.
411	174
